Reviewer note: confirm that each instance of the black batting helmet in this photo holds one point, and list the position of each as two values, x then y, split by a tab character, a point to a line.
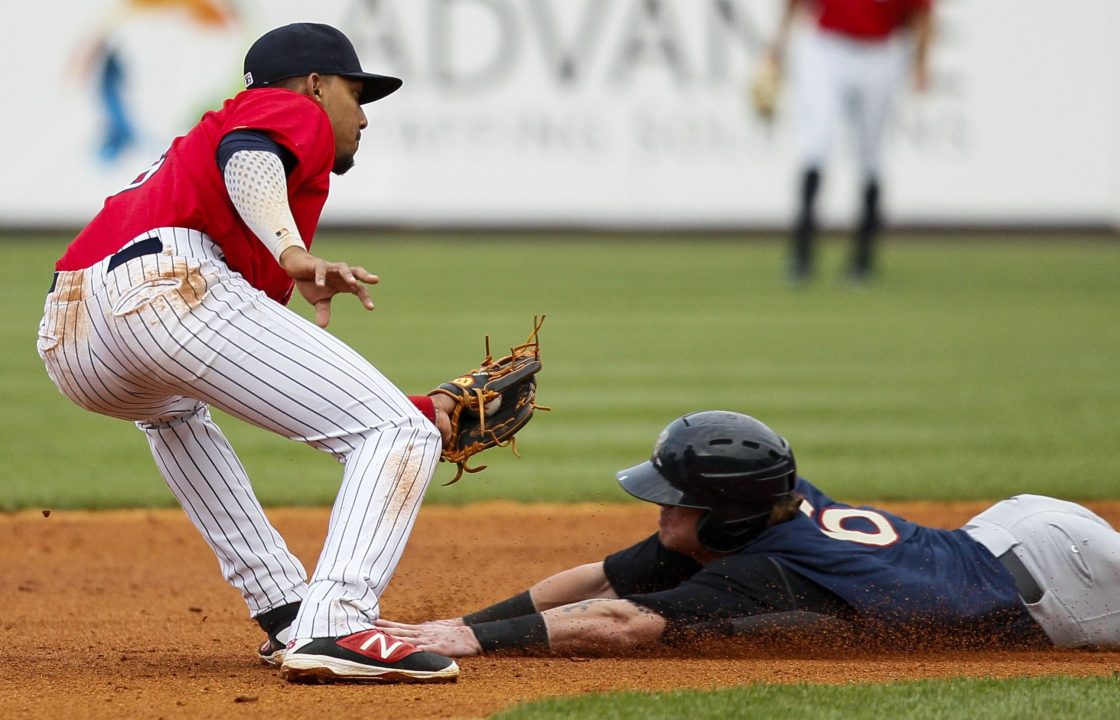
726	463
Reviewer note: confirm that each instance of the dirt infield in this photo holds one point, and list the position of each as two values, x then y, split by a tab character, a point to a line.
125	614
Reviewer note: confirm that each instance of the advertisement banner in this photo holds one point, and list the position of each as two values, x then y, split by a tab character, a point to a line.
573	113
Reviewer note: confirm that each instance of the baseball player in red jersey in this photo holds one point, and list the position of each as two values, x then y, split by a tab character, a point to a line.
173	299
850	61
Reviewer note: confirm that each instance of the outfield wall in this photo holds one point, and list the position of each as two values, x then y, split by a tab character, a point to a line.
617	113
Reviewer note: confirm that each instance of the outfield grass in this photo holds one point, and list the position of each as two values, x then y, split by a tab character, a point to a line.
1020	699
971	370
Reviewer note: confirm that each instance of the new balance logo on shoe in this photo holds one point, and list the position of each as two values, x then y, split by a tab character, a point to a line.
385	650
378	645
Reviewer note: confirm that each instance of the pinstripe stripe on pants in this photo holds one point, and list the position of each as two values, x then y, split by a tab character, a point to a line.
163	337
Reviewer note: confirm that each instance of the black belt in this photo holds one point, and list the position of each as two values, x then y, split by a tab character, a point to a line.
1029	591
147	246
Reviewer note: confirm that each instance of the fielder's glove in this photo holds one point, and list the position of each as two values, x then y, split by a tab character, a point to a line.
492	402
766	88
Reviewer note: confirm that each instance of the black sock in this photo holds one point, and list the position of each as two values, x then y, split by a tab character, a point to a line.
805	229
862	257
277	618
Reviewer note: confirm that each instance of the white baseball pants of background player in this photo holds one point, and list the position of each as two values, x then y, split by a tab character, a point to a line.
163	336
833	75
1074	557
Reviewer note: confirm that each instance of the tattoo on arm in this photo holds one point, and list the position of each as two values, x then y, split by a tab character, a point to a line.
585	605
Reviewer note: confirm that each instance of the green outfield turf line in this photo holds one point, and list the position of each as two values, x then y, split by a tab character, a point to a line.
1020	699
970	370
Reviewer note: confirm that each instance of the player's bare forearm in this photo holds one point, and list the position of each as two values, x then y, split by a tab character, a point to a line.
598	625
922	26
777	49
584	582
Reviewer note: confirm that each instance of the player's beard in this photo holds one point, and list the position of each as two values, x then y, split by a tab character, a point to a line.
342	163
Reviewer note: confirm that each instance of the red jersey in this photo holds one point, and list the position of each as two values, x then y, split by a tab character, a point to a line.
867	19
185	188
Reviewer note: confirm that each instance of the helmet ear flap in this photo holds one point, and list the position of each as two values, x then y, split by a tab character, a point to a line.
730	535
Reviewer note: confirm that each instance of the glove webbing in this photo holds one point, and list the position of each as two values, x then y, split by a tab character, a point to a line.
533	342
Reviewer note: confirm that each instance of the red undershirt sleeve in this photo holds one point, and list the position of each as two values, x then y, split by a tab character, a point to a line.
425	405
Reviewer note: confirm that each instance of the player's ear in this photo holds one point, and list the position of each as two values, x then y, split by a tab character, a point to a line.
314	86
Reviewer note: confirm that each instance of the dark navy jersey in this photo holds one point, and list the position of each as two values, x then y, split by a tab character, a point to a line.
883	567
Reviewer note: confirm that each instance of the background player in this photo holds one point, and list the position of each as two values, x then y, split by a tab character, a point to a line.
744	543
850	61
172	300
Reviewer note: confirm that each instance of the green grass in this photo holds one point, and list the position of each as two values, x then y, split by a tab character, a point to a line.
971	370
1020	699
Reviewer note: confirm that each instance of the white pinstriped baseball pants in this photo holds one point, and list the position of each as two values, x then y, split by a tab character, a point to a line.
162	337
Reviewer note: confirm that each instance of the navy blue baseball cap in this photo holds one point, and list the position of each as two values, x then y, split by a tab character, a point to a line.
304	48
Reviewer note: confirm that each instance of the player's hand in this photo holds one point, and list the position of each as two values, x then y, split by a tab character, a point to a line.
447	640
443	406
443	424
319	280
